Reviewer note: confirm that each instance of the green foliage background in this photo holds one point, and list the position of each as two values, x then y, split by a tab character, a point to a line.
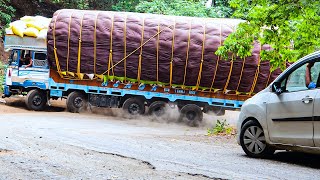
290	27
6	13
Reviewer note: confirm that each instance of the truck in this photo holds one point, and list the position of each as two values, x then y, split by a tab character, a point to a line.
86	60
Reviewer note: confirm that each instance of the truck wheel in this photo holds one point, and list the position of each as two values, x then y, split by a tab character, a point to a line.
76	102
134	106
157	108
191	114
36	100
253	141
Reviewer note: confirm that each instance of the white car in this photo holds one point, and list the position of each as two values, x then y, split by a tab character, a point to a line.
285	115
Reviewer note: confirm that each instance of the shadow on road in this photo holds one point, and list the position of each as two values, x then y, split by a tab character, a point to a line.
20	104
302	159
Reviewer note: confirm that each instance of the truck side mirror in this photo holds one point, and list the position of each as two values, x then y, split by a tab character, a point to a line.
276	87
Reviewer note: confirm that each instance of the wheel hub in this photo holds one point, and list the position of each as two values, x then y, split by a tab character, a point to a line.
134	109
78	102
254	139
37	100
191	115
159	111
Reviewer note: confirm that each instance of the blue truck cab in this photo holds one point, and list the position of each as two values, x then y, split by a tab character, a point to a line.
20	79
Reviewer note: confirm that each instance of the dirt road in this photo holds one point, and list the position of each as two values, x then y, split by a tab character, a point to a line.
61	145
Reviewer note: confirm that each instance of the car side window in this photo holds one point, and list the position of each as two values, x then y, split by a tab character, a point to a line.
296	80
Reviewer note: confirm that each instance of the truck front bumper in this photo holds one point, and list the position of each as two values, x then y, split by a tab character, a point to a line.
6	91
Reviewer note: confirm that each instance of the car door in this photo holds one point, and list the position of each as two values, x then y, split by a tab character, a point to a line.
316	122
290	114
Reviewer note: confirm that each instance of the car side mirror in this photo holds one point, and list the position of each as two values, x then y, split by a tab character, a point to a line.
276	87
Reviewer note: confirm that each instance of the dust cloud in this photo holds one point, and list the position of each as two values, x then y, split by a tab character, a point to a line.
171	116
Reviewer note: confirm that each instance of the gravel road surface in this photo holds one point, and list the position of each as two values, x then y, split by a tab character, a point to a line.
59	145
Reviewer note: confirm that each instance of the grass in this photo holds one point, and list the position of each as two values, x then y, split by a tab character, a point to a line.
221	128
2	75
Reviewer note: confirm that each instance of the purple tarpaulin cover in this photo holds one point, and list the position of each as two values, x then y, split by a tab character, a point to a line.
153	49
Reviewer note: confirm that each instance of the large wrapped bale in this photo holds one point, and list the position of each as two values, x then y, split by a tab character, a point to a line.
152	49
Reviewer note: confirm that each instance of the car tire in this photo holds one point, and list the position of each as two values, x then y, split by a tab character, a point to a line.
76	102
36	100
253	142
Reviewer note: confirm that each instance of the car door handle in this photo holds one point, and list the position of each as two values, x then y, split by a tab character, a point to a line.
307	100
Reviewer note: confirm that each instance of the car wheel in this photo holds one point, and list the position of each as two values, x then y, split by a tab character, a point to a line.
36	100
253	140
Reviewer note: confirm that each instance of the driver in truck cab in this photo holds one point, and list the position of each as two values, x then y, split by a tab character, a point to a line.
27	61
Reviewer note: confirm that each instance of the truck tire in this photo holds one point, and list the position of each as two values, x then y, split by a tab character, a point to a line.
36	100
191	114
157	108
253	142
134	106
76	102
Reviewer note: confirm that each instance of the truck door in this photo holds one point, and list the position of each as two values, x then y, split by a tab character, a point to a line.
290	114
13	66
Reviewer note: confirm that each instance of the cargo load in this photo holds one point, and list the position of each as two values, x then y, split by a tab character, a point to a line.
31	26
170	51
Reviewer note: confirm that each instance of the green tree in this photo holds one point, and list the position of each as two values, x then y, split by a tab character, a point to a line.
125	5
185	8
290	27
6	13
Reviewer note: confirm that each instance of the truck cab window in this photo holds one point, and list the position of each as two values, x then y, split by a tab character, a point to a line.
13	60
40	60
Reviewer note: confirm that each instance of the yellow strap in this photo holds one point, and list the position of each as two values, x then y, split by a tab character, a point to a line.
135	50
229	76
256	75
270	72
95	45
110	63
187	58
158	40
172	51
140	55
125	48
68	52
79	49
217	64
230	71
239	82
54	45
202	56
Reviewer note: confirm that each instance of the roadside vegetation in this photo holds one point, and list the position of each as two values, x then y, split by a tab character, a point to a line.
2	73
222	127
